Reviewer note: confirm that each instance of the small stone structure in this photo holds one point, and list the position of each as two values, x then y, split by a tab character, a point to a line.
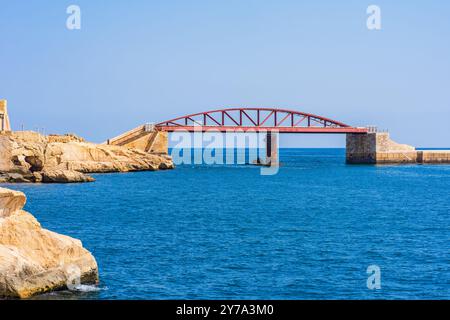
378	148
4	118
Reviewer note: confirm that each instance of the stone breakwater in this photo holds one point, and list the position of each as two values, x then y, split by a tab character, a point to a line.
31	157
34	260
379	148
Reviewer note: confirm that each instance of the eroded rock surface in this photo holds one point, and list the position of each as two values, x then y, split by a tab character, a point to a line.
34	260
64	176
32	157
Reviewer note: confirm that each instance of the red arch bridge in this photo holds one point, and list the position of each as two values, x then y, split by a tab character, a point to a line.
257	119
268	120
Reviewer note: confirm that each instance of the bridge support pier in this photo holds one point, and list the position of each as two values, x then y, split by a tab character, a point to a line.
272	148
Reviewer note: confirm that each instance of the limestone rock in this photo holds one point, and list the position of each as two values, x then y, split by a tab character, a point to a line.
69	137
10	202
64	176
34	260
16	178
31	157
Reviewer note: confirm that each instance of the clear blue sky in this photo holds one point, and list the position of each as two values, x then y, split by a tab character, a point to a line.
145	61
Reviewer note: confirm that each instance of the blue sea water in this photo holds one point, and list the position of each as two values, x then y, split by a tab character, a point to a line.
227	232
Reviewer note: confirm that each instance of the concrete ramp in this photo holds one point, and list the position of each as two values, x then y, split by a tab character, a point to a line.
145	138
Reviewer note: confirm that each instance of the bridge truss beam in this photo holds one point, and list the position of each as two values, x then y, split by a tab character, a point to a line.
258	120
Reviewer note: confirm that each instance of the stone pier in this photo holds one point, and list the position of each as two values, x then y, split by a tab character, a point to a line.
378	148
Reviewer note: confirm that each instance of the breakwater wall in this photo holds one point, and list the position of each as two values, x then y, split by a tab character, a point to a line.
379	148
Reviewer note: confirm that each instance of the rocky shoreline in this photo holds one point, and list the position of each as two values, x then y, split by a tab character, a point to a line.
29	157
34	260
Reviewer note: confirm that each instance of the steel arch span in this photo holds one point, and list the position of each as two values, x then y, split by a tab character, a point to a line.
257	119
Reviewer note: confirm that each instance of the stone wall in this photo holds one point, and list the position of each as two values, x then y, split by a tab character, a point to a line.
361	148
161	143
433	156
379	148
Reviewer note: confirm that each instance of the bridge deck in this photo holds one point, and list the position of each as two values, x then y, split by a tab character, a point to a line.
258	120
243	120
342	130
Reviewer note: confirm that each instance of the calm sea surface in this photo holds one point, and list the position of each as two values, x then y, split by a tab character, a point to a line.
224	232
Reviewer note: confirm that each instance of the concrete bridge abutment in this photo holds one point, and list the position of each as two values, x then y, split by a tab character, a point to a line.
379	148
376	147
145	138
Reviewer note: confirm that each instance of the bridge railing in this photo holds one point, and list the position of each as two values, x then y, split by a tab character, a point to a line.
149	127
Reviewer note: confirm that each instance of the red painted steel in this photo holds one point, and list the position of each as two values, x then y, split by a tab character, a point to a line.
233	119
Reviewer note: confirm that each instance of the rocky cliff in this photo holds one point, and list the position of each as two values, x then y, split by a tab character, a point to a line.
34	260
31	157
